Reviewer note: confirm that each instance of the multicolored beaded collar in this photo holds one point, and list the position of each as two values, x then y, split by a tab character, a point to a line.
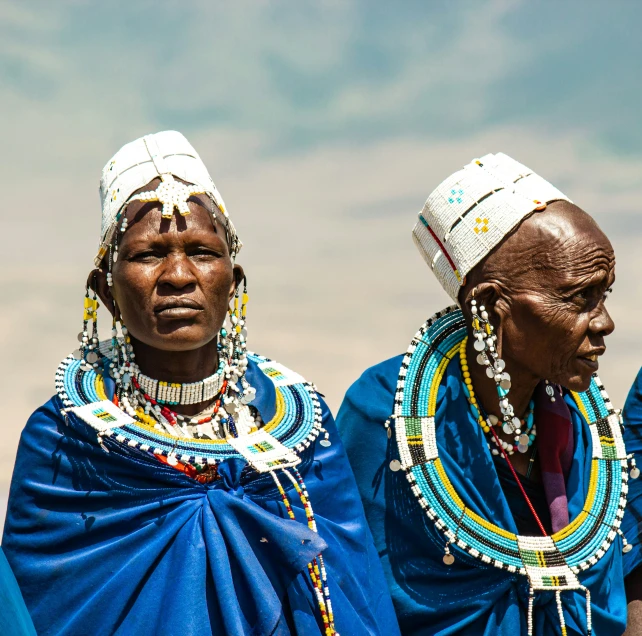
295	426
276	446
551	563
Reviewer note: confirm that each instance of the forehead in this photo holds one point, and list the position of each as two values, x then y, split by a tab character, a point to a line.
558	247
569	237
145	219
144	214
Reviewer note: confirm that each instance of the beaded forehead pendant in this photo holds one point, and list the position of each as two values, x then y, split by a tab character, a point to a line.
171	194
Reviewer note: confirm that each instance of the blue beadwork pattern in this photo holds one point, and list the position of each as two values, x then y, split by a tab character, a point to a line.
550	562
297	423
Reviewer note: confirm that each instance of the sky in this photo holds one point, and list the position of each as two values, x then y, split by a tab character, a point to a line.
325	126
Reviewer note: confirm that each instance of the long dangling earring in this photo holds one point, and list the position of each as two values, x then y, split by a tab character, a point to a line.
487	356
233	344
89	345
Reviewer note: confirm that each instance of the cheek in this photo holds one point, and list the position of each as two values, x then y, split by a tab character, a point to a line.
133	289
566	331
541	336
217	289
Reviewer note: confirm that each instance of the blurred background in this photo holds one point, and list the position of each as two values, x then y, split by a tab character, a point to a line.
325	125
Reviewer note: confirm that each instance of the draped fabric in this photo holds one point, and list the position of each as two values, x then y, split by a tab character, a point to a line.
467	597
632	522
14	618
119	543
555	449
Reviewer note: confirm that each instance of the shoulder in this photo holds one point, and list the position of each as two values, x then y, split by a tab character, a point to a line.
39	440
269	376
371	397
376	384
632	418
633	407
44	421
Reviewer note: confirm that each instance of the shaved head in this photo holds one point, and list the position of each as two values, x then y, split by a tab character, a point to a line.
545	287
561	238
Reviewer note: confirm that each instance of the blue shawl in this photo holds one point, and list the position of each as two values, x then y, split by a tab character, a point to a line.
466	597
632	522
119	543
14	618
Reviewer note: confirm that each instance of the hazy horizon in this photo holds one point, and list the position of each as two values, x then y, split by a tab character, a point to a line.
325	126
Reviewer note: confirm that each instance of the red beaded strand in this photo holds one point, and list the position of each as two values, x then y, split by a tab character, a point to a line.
317	575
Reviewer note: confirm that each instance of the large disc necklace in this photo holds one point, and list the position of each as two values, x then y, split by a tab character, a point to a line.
550	563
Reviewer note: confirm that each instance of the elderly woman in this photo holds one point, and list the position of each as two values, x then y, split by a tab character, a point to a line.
176	483
489	458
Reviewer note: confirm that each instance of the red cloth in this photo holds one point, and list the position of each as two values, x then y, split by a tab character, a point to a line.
555	449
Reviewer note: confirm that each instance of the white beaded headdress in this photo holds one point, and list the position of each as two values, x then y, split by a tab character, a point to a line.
166	155
472	211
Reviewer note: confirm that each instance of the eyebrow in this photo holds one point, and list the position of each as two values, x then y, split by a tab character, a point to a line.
595	279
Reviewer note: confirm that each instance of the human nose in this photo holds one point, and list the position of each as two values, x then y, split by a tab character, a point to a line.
177	272
601	323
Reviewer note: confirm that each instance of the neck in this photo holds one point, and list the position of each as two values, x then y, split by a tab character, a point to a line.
522	385
177	366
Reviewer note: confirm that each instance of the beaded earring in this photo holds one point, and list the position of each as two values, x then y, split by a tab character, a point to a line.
487	356
87	351
236	346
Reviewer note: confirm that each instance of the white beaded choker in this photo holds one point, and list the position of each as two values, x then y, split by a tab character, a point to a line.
174	393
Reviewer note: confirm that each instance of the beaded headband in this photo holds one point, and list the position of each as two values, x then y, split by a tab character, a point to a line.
473	210
166	155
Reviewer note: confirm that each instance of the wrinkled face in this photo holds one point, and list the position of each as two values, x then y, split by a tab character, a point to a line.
173	278
557	319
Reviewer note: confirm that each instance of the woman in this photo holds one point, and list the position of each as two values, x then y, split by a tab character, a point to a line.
493	471
176	483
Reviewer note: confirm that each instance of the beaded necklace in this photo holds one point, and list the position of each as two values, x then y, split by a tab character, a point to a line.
522	440
189	393
276	446
550	563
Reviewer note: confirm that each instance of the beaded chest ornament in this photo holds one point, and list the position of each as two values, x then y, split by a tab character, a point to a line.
550	563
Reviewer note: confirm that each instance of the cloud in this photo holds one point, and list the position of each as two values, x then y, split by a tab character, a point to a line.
325	125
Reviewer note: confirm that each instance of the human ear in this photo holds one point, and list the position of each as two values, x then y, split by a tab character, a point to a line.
238	277
492	297
97	280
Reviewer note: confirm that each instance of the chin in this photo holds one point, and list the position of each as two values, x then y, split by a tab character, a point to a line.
185	339
578	383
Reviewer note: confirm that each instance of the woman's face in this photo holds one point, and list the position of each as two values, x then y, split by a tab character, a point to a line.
556	319
174	278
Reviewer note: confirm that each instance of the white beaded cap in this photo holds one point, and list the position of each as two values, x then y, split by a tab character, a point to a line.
472	211
139	162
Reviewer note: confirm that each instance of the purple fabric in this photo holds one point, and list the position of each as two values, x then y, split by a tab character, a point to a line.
555	448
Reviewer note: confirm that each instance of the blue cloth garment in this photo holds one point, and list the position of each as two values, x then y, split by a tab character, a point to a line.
14	618
467	597
632	522
119	543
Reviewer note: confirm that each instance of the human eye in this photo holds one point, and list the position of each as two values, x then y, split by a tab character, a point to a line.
144	256
204	252
584	298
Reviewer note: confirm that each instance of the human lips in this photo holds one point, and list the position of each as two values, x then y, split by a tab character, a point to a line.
177	308
590	358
